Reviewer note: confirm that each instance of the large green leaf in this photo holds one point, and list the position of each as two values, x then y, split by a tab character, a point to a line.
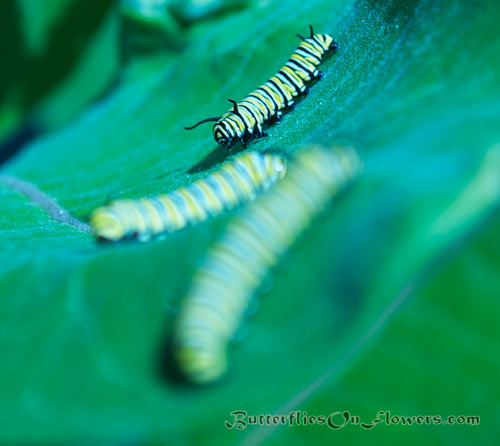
414	86
434	358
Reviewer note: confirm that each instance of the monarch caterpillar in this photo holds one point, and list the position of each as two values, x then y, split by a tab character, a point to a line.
235	182
253	243
245	120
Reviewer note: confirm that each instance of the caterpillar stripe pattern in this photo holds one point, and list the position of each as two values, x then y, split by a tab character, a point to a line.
235	182
253	243
246	119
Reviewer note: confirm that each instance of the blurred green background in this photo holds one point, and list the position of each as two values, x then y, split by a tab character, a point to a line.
389	303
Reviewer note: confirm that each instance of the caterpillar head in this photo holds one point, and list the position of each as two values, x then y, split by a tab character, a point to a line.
106	224
200	363
222	141
221	135
326	41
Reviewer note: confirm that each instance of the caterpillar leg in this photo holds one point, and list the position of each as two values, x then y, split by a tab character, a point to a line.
317	74
259	133
245	139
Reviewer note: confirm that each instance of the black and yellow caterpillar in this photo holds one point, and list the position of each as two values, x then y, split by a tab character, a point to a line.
253	243
237	181
246	119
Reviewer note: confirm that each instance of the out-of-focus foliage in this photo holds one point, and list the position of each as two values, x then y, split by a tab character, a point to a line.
148	27
188	11
434	358
58	56
415	87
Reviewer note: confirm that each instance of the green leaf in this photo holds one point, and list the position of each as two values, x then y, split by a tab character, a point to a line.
435	357
414	87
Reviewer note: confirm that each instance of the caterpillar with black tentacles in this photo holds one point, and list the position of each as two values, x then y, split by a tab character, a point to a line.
236	182
252	244
246	119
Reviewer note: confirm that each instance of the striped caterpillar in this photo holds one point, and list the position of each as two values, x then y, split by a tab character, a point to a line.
252	244
237	181
246	119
